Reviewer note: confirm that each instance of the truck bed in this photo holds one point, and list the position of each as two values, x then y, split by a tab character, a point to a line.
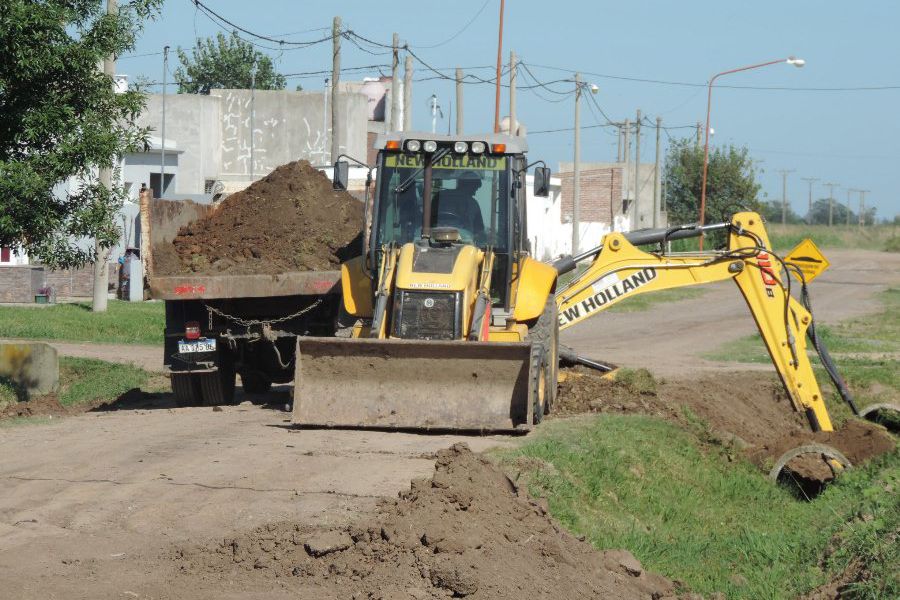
163	219
206	287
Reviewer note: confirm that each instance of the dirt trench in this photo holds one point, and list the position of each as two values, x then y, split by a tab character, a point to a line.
746	411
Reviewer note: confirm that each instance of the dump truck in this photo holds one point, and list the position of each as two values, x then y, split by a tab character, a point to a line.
450	323
220	326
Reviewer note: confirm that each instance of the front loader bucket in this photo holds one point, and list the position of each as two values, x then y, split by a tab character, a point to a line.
412	384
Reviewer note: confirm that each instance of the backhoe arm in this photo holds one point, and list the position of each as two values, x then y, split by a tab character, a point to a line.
620	270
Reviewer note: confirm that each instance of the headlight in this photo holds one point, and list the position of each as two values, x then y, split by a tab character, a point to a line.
430	146
413	146
477	147
460	147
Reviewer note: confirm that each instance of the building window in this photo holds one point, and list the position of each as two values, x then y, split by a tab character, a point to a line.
208	186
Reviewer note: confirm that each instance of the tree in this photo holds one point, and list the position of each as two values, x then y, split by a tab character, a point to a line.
60	121
225	62
839	215
730	186
772	212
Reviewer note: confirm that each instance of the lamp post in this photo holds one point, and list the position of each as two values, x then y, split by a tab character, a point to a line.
797	62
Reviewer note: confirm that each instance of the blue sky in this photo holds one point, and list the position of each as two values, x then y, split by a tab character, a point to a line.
847	137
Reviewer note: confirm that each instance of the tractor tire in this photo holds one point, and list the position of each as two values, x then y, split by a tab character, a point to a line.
186	389
538	385
217	387
545	332
255	383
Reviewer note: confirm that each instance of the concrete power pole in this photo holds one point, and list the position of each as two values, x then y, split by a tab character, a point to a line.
626	155
784	200
101	255
810	181
848	203
407	93
459	102
395	82
335	80
576	170
656	178
637	170
513	124
162	142
862	207
618	142
699	134
831	187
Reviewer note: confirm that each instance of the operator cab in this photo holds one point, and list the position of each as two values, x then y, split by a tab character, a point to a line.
441	191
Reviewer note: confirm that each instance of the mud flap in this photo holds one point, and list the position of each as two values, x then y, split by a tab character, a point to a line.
412	384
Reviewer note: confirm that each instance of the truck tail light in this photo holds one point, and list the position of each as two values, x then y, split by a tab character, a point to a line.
192	330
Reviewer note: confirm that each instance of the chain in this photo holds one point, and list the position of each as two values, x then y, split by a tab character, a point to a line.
266	322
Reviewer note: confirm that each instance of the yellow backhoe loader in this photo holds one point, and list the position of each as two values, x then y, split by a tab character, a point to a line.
449	323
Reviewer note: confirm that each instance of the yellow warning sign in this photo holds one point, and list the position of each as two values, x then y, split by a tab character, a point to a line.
807	256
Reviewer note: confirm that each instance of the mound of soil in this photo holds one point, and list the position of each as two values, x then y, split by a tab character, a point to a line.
747	410
466	532
291	220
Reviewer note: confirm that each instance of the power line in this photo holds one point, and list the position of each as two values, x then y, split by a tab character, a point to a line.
458	33
736	87
282	42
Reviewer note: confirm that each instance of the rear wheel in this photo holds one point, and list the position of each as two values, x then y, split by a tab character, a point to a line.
186	388
255	383
546	333
217	387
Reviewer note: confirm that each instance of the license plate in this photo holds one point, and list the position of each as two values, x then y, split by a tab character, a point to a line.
201	345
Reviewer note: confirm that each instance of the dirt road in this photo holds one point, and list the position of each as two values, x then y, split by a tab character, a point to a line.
670	339
79	494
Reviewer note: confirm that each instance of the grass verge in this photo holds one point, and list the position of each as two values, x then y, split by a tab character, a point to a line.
82	382
637	482
123	323
87	380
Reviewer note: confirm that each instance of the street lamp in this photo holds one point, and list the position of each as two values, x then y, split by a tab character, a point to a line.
797	62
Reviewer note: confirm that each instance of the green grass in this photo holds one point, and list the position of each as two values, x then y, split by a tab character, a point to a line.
641	483
90	380
123	323
784	237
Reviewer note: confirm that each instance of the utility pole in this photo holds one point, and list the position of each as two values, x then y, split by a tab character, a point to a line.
499	59
810	181
459	101
253	68
162	141
626	155
576	171
335	80
848	203
513	124
862	207
395	82
618	142
784	200
831	187
407	94
656	178
699	131
637	169
101	254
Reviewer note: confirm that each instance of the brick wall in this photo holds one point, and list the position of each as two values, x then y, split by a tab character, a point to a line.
71	283
19	283
600	189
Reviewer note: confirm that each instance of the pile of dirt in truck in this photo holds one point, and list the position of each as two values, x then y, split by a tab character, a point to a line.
746	411
469	531
290	220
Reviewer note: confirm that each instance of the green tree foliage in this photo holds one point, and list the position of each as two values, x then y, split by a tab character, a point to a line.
772	213
731	182
225	62
60	119
820	213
